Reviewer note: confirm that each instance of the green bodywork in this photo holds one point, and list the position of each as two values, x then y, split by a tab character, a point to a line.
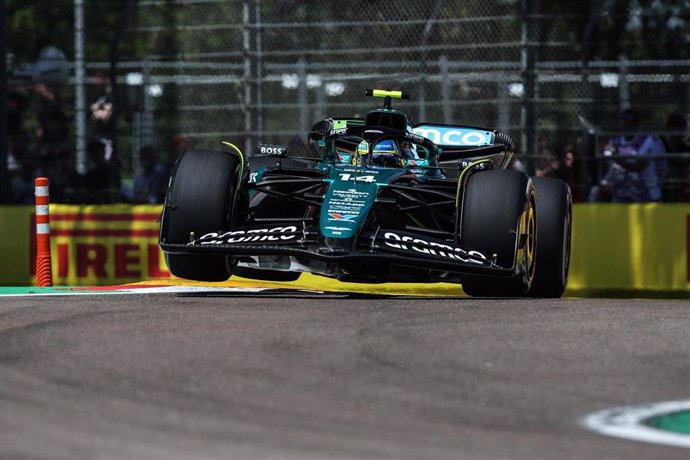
350	196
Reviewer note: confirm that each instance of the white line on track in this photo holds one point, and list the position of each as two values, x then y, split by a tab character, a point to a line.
626	422
140	291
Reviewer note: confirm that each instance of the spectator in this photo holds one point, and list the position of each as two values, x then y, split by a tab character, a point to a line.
547	163
631	177
21	188
19	139
53	125
584	166
65	181
102	107
18	136
566	165
151	182
102	178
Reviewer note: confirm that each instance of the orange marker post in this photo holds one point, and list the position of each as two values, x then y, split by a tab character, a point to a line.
44	273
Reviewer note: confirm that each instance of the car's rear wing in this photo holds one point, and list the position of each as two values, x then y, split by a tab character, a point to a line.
467	143
455	136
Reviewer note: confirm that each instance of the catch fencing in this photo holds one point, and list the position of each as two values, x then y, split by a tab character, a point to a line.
264	71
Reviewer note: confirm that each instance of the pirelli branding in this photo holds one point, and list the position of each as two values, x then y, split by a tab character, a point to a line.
430	248
274	235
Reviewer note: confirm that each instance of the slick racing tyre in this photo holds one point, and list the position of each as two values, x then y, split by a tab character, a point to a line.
554	223
200	199
498	217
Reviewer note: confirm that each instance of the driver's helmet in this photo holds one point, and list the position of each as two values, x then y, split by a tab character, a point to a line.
385	154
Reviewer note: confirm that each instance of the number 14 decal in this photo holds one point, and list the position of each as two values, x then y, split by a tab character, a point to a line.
346	177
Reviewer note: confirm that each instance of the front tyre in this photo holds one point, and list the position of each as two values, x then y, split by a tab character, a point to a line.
200	200
554	228
498	217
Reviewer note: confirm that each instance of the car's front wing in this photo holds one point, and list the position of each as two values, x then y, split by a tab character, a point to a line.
383	245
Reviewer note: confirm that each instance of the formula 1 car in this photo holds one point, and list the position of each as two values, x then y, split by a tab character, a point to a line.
377	200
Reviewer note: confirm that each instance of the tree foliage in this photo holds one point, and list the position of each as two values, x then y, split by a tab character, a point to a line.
34	24
602	29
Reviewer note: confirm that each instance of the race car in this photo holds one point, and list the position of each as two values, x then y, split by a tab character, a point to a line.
378	199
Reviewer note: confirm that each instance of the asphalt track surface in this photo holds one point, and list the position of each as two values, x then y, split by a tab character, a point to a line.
331	376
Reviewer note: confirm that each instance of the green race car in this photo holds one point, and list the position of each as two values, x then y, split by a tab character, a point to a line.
379	200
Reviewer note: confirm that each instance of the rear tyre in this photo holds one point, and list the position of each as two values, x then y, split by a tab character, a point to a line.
498	217
200	200
554	228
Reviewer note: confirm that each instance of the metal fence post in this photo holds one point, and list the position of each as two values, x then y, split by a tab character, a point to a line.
445	89
426	33
302	96
249	76
136	142
623	87
114	58
528	64
147	118
79	89
5	191
503	105
259	73
320	102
